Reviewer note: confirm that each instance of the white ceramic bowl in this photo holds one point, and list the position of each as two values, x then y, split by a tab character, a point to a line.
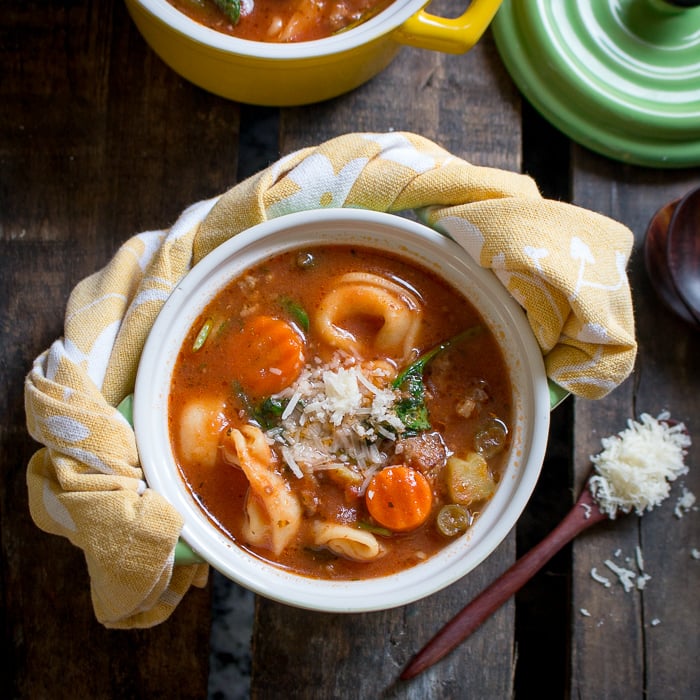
388	233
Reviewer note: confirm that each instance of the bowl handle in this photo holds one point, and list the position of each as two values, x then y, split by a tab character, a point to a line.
185	555
557	394
458	35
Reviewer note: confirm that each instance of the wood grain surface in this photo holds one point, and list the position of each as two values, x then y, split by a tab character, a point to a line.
643	643
100	140
98	137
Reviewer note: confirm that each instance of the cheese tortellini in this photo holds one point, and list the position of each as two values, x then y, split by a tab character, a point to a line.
347	541
200	425
273	512
357	294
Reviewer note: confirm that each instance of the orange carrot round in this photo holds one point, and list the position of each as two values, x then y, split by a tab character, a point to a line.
399	498
268	355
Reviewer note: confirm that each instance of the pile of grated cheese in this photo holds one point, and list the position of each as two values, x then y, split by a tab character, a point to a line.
635	467
337	416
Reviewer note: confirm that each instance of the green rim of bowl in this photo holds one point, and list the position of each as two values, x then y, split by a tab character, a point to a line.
621	77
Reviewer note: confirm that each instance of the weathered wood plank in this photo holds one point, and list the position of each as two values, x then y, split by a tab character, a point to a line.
449	99
641	643
319	655
99	140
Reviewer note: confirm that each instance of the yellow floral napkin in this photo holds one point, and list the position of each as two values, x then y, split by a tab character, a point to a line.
563	264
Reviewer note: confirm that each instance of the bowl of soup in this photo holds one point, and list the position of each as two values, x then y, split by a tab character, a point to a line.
284	52
348	412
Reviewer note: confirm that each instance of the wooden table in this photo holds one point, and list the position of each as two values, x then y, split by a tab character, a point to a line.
100	140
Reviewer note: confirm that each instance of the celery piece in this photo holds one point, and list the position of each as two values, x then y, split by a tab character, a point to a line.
468	479
375	529
202	335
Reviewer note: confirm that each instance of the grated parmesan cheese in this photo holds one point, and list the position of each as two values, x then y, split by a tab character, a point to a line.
635	466
600	579
337	417
642	581
685	503
625	576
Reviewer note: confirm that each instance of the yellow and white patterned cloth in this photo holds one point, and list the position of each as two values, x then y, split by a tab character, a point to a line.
566	266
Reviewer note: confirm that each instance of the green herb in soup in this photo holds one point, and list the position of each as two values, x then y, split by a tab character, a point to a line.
280	20
230	8
411	408
342	419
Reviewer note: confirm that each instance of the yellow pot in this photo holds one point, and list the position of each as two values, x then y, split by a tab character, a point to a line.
300	73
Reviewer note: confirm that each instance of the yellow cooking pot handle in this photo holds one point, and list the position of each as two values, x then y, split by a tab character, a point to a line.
458	35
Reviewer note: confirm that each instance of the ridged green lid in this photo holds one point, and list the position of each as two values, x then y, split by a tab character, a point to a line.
621	77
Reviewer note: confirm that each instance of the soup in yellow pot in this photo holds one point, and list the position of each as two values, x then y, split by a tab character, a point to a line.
280	20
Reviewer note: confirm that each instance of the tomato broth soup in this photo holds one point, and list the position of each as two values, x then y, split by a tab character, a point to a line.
280	20
340	412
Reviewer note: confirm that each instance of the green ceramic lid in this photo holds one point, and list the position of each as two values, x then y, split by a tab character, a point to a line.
621	77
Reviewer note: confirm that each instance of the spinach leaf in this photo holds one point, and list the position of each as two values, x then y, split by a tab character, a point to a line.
266	414
231	8
269	412
296	311
411	408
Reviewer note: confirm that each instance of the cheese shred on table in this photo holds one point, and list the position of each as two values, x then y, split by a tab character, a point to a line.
635	467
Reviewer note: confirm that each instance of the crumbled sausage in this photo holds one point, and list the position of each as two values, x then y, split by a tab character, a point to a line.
425	452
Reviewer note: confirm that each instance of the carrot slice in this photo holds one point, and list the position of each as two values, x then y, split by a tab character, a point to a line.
267	354
399	498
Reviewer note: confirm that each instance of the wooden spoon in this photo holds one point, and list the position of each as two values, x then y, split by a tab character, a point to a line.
583	515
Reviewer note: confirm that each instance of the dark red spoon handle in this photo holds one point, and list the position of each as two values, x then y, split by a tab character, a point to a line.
584	514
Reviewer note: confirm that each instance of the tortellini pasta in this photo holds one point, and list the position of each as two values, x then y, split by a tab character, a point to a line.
347	541
358	294
200	425
273	512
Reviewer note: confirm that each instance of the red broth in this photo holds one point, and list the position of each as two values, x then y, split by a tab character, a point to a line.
283	20
331	313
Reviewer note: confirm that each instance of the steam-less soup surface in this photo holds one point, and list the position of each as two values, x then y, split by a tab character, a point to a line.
280	20
340	412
